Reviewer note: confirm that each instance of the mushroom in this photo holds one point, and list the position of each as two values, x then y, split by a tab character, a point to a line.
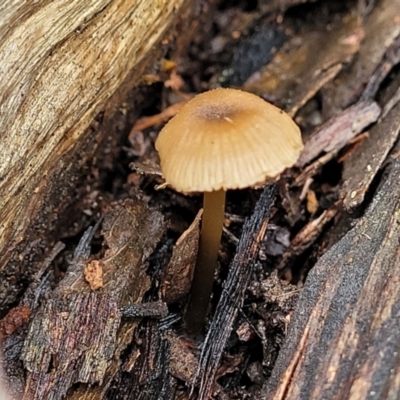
222	139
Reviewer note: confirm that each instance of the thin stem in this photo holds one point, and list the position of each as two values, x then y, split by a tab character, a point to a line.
203	279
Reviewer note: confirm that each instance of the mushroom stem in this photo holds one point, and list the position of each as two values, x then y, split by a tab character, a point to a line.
210	238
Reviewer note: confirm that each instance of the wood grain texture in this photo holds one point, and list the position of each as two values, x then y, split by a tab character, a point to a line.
77	335
60	62
381	28
343	341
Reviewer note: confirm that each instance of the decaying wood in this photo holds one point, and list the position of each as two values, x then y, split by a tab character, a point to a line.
60	63
233	295
381	27
363	165
344	339
280	5
307	236
297	72
339	130
73	336
91	339
391	58
178	275
146	370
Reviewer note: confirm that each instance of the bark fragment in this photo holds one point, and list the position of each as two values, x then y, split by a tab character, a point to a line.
178	275
339	130
363	165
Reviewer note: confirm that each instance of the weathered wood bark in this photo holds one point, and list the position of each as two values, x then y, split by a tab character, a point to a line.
343	342
78	335
60	63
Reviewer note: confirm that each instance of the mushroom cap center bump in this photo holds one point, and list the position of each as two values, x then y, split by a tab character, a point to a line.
226	139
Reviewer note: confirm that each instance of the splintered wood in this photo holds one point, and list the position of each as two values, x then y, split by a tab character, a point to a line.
73	336
233	295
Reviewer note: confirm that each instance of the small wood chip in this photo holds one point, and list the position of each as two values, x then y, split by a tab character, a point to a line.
93	273
156	309
312	202
178	275
15	318
307	236
158	119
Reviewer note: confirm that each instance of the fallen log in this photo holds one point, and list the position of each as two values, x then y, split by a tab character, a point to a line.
61	64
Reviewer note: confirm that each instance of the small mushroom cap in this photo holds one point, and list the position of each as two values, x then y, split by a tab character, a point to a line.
226	139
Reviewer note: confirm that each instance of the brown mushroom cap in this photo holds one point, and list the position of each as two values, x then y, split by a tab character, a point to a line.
226	139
